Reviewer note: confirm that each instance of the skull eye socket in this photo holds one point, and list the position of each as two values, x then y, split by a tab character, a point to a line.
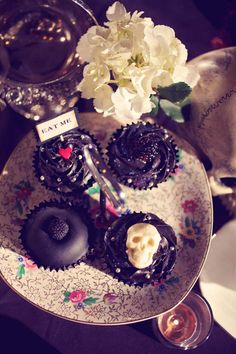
136	239
151	243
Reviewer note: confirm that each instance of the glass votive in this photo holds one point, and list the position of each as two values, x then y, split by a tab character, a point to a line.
186	326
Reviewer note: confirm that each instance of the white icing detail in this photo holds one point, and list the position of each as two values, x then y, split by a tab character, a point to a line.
142	242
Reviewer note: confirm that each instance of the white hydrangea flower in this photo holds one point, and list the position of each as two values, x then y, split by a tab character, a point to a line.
117	12
103	100
128	104
94	77
162	78
141	79
93	44
128	59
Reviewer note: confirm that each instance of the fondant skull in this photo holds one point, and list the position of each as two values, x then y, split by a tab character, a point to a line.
142	242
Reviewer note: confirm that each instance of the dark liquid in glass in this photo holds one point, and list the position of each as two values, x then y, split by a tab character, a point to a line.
40	39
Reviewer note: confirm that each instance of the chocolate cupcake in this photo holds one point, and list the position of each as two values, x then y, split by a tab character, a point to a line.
142	155
56	235
60	164
140	249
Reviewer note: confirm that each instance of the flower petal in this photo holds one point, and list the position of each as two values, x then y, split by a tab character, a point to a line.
103	102
116	12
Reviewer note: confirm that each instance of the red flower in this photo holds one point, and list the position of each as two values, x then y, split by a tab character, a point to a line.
78	296
158	283
29	264
189	206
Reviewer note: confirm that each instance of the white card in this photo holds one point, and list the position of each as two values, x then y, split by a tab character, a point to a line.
57	126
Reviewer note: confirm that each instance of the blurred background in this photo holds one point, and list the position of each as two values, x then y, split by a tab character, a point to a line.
202	25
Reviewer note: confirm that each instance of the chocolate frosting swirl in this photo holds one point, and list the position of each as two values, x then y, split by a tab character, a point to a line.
142	155
65	175
117	259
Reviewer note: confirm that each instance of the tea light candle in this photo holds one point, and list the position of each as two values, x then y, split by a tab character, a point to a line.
179	324
187	325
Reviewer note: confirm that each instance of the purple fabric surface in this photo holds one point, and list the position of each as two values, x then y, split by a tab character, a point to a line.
27	329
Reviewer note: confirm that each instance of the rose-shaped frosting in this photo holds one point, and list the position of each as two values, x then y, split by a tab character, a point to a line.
142	155
60	162
116	250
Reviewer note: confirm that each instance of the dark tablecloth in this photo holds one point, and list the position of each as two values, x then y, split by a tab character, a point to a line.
27	329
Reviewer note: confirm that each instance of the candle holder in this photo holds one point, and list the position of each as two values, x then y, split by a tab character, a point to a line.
186	326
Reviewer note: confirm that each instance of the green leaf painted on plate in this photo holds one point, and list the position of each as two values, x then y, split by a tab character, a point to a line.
67	293
175	92
29	187
172	280
21	271
19	208
187	221
90	300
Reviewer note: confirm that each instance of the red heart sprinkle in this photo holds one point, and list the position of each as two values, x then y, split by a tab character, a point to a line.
65	153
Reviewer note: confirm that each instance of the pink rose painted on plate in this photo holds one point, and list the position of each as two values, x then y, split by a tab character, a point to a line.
189	206
78	296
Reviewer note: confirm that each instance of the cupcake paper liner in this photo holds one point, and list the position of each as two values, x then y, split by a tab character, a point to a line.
60	188
131	181
63	205
117	259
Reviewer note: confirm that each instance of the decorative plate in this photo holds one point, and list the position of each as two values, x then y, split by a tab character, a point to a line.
87	293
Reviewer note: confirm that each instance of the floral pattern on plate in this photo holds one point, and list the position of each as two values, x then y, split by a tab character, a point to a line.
46	289
25	264
81	298
180	166
190	228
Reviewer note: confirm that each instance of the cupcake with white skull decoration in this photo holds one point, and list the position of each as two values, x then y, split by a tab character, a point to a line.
140	248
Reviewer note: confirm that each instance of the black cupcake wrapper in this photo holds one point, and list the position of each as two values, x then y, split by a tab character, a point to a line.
165	273
123	180
75	192
59	204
